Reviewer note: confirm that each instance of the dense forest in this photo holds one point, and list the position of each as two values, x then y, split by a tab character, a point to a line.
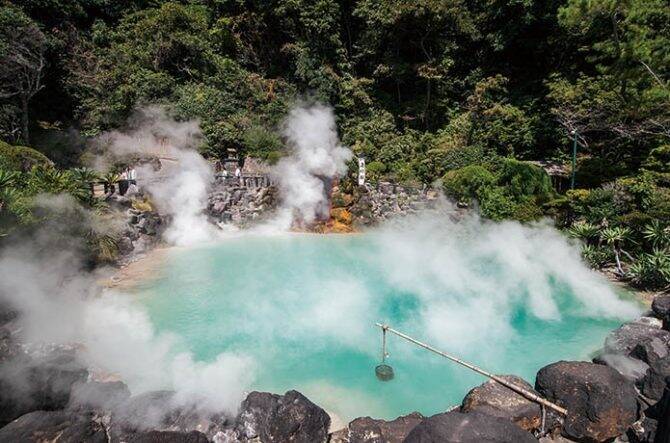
463	91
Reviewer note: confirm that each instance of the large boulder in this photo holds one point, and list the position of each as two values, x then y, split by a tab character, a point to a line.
37	383
494	399
98	396
370	430
282	418
601	403
639	340
473	427
54	426
653	383
661	306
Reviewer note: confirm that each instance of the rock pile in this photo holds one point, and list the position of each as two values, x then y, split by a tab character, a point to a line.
372	204
230	203
142	231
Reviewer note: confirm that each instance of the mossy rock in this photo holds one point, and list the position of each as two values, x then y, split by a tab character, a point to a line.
21	158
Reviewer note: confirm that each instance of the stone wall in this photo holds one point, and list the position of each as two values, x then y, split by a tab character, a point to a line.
241	202
371	204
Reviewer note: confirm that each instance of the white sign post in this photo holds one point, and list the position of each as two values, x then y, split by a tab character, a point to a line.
361	171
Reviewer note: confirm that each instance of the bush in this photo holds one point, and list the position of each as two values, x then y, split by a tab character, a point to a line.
597	256
496	204
258	141
652	270
524	179
21	158
658	159
467	183
375	170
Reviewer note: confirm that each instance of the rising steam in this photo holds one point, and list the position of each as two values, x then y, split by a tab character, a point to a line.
179	188
316	158
59	302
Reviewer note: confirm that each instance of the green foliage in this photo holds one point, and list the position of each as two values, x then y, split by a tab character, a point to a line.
260	141
374	170
584	231
658	159
652	270
657	233
506	189
524	180
468	183
20	158
596	256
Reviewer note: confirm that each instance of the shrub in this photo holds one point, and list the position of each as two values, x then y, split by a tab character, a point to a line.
597	256
652	270
495	203
527	211
524	179
375	169
467	183
658	159
259	140
21	158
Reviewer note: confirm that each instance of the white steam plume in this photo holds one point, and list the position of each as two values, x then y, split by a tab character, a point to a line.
317	157
180	187
43	277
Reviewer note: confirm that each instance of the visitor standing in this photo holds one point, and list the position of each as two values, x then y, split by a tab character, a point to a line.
132	176
123	182
238	174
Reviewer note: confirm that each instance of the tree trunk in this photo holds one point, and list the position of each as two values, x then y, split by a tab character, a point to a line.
618	260
25	134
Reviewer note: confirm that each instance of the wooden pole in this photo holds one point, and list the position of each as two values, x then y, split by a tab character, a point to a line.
519	390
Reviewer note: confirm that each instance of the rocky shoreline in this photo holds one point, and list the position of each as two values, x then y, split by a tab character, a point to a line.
620	396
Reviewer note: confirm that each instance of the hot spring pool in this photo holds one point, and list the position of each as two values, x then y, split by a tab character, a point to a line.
303	307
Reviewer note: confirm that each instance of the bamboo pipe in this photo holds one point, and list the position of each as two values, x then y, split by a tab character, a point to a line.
519	390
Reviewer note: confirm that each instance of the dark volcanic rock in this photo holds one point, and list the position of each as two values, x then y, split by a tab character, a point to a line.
642	431
54	426
29	384
473	427
661	306
96	395
653	383
601	403
167	437
494	399
7	314
281	418
370	430
639	340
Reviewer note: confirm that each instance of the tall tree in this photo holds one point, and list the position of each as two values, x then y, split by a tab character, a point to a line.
22	61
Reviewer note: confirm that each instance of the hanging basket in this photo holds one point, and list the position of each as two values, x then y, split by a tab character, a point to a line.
384	372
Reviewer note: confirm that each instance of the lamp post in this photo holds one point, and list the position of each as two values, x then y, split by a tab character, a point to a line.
574	157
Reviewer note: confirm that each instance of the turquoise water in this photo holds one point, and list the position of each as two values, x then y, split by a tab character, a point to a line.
304	307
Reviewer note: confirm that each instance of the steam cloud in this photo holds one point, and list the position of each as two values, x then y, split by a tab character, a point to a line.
317	157
179	188
45	280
